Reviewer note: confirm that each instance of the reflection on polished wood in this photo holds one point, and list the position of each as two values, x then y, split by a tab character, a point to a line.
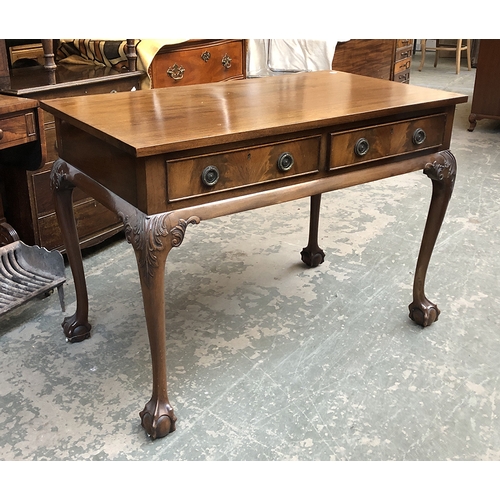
168	158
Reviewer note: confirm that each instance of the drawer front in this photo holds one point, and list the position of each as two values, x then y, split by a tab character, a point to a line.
404	53
86	215
386	141
403	77
18	129
404	42
403	65
43	194
198	64
200	175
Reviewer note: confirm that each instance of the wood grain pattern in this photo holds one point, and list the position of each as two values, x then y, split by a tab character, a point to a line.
166	120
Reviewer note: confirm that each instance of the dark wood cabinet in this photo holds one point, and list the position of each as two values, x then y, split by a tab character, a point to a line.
486	96
21	144
28	204
385	59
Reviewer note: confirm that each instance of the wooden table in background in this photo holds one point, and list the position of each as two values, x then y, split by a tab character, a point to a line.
167	158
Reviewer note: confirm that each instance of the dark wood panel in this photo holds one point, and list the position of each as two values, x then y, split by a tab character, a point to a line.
365	57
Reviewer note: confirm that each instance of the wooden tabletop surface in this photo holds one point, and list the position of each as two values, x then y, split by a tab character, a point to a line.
9	104
158	121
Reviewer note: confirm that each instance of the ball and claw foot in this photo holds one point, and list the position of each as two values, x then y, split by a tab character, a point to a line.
424	313
312	257
158	419
75	331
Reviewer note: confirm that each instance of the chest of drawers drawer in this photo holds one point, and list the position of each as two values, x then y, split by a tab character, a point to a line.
386	141
205	174
203	62
17	129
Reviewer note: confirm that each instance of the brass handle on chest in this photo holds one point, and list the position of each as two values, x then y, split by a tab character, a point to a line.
176	72
210	176
226	61
285	162
1	134
419	136
361	147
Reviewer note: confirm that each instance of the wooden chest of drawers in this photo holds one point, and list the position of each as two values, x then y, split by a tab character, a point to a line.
21	138
198	61
386	59
29	206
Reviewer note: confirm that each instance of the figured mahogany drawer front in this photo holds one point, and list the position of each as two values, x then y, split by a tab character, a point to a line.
386	141
199	175
198	64
17	129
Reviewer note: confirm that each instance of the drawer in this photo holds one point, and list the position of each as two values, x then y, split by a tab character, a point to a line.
17	129
403	65
203	63
404	42
386	141
43	194
403	77
404	53
205	174
86	215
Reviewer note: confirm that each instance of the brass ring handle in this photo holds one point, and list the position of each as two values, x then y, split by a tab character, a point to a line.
419	136
361	147
176	72
285	162
226	61
210	176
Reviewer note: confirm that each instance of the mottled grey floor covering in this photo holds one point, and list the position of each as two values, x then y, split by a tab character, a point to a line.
269	360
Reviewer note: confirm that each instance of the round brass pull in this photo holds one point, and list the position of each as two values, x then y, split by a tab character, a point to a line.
419	136
210	176
176	72
1	134
226	61
285	162
206	56
361	147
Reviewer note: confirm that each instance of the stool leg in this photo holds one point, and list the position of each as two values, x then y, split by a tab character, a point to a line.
458	55
423	44
469	66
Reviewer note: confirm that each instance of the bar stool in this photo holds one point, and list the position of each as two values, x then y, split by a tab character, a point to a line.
458	48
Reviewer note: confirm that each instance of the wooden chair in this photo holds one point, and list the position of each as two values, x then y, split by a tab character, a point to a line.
458	48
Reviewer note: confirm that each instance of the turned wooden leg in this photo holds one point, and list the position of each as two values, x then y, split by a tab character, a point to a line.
442	173
312	255
152	239
76	327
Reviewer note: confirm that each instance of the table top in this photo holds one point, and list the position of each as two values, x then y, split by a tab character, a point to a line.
159	121
10	104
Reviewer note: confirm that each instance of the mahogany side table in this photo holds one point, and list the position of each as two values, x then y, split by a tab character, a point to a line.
165	158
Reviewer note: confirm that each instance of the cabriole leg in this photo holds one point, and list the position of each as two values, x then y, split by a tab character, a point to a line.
152	239
75	327
442	173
